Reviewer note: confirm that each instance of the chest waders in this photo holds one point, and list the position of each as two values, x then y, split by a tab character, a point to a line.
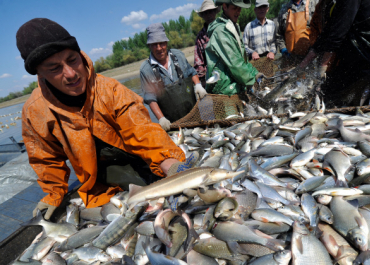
119	168
177	99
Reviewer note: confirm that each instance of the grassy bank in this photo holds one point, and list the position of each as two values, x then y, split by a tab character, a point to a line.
123	72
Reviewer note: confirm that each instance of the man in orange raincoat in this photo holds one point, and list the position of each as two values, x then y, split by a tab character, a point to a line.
102	127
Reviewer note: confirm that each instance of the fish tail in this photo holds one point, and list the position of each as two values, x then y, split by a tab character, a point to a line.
35	220
341	183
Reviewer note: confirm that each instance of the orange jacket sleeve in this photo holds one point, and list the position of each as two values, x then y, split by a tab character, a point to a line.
47	158
140	135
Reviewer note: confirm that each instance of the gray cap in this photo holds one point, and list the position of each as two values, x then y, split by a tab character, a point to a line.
156	33
262	3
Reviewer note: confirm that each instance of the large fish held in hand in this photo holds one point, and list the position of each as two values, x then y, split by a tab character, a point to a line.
175	184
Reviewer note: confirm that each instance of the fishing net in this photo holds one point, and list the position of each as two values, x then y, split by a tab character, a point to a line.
211	107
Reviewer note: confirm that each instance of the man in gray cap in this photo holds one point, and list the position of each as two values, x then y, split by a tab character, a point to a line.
259	34
167	79
208	12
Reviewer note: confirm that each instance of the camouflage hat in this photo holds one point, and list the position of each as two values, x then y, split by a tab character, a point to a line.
239	3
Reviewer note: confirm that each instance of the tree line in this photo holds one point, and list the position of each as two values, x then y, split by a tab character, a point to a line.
181	33
26	90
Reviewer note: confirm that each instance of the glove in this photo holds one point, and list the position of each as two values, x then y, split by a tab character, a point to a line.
165	124
285	52
182	166
259	77
42	206
322	71
200	92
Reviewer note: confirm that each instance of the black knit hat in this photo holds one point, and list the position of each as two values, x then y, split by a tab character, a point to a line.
40	38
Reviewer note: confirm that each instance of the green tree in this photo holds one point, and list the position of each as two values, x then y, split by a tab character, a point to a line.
196	24
31	86
101	65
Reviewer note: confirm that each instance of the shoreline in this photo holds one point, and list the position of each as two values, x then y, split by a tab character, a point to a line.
120	73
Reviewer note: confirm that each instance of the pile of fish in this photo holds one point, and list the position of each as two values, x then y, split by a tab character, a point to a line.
273	191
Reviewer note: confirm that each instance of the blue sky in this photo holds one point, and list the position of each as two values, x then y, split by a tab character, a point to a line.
95	24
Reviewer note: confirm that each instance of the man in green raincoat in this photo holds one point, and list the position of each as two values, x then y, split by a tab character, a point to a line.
225	52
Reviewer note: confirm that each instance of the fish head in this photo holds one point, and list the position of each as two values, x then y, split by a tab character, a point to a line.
359	238
103	257
217	175
300	228
283	256
324	199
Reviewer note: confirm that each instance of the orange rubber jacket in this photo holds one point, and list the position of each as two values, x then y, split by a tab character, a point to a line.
54	132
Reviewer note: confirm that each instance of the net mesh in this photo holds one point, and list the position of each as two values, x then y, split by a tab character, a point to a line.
222	107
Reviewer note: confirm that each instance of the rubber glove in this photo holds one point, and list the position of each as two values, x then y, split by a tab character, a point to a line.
285	52
322	71
42	206
259	77
182	166
165	124
199	91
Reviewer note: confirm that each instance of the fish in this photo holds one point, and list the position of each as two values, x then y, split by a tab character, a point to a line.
191	178
59	232
306	248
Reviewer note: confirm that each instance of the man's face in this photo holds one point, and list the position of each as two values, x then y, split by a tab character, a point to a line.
261	11
66	71
209	15
233	12
159	50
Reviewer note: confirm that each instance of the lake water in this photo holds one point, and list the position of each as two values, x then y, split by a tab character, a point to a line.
13	111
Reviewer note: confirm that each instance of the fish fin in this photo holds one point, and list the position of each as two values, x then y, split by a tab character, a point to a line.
258	202
275	244
341	251
362	223
354	203
341	183
233	247
264	220
333	242
253	227
35	220
261	234
298	243
134	189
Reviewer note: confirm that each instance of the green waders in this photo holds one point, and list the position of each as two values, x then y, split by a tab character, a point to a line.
118	168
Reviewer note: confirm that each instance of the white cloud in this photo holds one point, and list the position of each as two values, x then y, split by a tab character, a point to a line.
138	26
134	17
100	51
18	57
110	44
29	77
5	75
126	38
174	13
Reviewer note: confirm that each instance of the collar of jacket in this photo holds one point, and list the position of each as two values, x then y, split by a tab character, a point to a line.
234	29
57	106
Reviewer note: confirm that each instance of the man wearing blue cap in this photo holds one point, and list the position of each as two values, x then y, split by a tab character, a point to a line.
167	79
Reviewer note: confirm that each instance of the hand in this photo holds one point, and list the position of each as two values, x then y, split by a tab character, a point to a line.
322	71
165	124
200	92
259	77
309	58
255	56
271	55
42	206
285	52
182	166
